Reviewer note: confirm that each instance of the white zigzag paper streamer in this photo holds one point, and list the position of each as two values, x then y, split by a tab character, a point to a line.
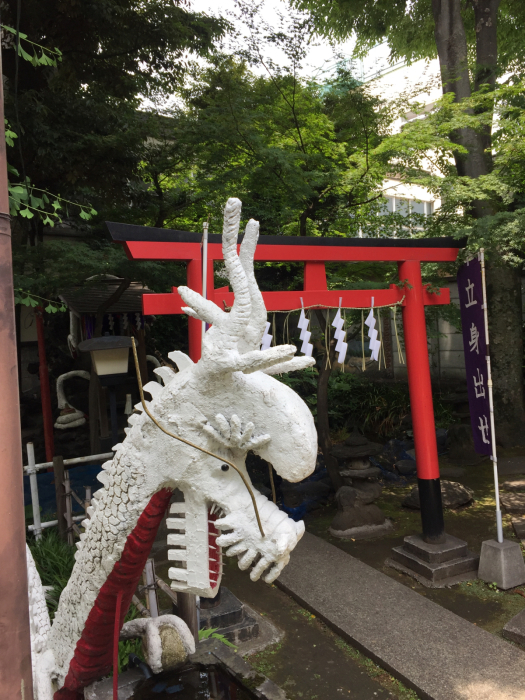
341	347
267	338
375	344
306	347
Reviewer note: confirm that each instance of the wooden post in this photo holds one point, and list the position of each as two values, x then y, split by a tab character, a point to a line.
58	469
94	419
151	591
103	412
87	500
141	352
187	604
45	395
69	509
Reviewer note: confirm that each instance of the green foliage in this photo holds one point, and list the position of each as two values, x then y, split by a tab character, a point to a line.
211	633
374	406
54	560
48	57
57	265
129	646
408	27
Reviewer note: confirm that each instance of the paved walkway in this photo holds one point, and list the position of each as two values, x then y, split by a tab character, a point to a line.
440	655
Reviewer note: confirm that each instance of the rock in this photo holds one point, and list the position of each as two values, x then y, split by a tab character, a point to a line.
356	439
370	473
411	453
406	467
452	493
348	452
368	491
461	445
357	517
359	463
355	507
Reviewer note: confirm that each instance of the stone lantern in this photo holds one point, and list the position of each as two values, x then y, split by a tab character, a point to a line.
357	516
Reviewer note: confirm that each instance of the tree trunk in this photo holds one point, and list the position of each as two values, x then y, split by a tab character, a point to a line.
451	43
504	284
323	423
506	351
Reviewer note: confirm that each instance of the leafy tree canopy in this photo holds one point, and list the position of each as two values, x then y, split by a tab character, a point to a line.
408	26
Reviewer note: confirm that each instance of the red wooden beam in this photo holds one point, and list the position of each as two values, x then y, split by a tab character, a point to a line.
170	250
158	304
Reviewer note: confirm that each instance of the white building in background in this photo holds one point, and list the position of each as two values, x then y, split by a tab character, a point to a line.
420	81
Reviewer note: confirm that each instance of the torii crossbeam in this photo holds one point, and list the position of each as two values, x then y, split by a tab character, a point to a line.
143	243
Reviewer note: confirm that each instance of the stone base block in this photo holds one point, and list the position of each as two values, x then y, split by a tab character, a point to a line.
502	563
435	565
515	629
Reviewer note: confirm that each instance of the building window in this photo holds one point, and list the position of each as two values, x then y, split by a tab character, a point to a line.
403	206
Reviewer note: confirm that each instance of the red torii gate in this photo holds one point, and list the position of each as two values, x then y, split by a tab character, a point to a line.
143	243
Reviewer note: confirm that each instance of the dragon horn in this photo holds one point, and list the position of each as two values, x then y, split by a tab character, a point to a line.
239	316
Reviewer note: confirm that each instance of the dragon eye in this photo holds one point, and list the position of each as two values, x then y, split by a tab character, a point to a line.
225	467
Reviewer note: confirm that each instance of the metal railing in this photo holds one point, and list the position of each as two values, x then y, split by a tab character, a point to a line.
31	470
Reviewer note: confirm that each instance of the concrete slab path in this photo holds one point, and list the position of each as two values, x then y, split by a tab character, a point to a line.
440	655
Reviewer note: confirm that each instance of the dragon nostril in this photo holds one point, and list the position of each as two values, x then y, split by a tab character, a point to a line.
225	467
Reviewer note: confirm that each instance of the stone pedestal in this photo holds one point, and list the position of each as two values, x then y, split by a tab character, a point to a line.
435	565
229	618
502	563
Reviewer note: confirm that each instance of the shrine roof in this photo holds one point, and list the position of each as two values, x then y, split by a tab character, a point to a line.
132	232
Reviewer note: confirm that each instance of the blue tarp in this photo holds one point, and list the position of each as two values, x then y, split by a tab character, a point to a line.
80	476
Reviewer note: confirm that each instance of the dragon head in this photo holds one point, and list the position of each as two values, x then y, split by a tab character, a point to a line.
231	349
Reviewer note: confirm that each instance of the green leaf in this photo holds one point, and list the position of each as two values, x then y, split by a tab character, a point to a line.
50	309
13	31
85	215
26	213
24	54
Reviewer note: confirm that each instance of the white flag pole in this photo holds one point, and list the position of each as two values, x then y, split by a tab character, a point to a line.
499	524
204	271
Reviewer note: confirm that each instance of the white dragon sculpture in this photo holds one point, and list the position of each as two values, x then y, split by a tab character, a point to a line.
226	403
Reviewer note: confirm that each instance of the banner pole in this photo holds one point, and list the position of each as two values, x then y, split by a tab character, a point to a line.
204	271
494	457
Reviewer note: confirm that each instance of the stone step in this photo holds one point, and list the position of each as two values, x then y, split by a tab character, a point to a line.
435	573
452	548
513	485
513	502
437	653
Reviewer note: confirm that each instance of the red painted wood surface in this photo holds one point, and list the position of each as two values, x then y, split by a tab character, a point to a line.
158	304
93	656
418	368
215	553
166	250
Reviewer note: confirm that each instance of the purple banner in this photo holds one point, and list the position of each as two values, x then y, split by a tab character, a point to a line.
470	287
